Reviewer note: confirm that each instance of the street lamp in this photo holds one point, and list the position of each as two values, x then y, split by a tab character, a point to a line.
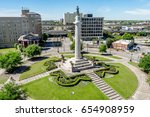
87	46
131	57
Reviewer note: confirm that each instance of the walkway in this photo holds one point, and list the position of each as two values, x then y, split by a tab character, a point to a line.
25	81
104	87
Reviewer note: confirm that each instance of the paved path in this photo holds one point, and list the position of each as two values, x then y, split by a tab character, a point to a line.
143	90
25	81
104	87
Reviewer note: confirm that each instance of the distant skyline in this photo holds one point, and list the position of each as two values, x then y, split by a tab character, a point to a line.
54	9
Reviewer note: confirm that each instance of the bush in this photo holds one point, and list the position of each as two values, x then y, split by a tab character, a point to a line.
10	61
55	59
108	69
50	65
12	92
63	80
145	63
32	51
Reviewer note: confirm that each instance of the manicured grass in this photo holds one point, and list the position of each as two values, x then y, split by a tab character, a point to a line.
69	56
100	58
125	83
6	50
3	79
66	52
134	64
90	56
115	57
36	68
43	89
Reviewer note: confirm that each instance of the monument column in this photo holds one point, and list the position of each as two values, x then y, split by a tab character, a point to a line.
77	35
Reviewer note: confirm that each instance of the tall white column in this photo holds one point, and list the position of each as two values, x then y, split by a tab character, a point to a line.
77	37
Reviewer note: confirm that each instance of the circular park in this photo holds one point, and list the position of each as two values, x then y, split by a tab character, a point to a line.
73	75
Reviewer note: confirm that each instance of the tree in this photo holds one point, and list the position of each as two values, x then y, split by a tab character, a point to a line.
15	45
102	48
107	34
128	36
72	46
117	37
32	51
109	42
12	91
141	34
44	36
10	61
148	80
20	47
145	63
70	36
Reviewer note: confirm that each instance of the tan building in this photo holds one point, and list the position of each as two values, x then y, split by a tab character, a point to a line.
122	44
11	28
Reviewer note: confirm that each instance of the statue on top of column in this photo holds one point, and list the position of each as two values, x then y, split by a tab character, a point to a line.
78	11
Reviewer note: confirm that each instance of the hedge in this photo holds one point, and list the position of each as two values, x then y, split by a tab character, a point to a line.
107	69
63	80
50	65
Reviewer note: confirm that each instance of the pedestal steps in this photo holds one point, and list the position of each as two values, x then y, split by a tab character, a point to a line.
104	87
82	64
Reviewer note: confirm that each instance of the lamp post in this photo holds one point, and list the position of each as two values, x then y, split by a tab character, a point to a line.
131	57
87	46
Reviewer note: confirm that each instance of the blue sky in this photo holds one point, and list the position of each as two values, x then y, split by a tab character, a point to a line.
54	9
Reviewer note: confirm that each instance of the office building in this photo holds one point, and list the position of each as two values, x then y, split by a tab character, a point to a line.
11	28
92	27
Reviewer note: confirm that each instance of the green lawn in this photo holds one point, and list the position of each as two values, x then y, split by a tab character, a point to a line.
6	50
43	89
100	58
125	83
134	64
67	56
36	68
66	52
115	57
3	79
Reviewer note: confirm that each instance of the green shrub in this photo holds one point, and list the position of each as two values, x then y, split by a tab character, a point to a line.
55	59
108	69
50	65
63	80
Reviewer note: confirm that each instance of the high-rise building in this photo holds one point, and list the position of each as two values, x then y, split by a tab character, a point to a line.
69	18
11	28
92	27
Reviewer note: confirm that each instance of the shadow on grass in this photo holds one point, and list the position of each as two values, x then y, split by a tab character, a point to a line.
22	69
35	59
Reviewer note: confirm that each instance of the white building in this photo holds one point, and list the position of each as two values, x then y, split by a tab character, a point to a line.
11	28
69	18
92	27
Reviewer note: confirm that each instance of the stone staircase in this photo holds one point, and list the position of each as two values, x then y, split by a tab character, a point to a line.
82	64
104	87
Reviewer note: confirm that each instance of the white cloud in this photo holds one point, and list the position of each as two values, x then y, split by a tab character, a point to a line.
138	12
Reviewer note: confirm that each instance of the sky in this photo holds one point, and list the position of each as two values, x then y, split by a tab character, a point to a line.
54	9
